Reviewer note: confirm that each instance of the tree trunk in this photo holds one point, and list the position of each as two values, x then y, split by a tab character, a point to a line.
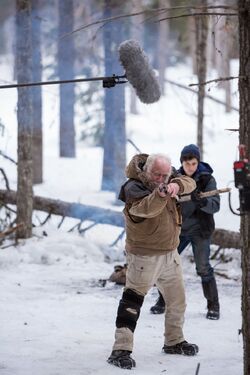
136	34
191	32
227	85
244	90
114	158
222	45
201	42
37	94
162	46
66	58
24	118
108	182
210	44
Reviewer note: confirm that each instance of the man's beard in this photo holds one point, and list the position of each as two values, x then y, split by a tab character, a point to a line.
157	184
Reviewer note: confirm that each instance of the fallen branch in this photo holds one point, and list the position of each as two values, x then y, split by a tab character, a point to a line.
10	230
226	239
76	210
9	245
223	274
221	237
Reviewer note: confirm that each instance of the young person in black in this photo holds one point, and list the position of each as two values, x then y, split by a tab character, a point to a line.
197	227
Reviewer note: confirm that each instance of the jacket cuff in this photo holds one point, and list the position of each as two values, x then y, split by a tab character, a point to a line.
179	183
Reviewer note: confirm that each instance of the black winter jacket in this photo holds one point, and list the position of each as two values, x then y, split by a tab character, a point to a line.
199	221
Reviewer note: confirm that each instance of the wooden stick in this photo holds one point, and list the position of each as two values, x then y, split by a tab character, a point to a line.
206	194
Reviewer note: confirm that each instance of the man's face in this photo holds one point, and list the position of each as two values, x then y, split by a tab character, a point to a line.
190	166
160	172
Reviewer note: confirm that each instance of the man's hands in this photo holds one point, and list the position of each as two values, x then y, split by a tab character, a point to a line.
196	198
172	189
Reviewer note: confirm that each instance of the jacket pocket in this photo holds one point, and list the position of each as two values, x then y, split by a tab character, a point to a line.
145	228
141	271
177	258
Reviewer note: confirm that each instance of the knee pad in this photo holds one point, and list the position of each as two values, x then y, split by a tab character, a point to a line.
129	309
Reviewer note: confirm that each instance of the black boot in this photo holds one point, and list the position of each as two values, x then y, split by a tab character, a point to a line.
159	307
183	347
211	294
122	359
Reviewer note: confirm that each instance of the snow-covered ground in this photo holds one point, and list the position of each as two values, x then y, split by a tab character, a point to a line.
56	317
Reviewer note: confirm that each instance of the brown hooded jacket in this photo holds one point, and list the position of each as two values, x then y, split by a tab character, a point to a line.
152	222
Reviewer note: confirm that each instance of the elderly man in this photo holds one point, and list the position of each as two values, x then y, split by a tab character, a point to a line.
198	226
152	236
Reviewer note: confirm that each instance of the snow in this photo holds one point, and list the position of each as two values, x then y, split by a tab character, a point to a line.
56	317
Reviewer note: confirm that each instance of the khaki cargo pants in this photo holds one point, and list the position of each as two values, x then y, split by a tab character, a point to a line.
164	271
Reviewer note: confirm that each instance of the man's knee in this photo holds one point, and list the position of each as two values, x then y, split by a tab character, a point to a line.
206	278
206	273
129	309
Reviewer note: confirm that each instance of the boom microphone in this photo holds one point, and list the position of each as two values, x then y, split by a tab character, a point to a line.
138	71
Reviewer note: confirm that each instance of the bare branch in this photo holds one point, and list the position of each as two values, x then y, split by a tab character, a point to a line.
196	92
81	231
45	221
8	208
8	158
216	253
5	179
104	20
118	238
59	225
9	245
155	15
75	226
222	274
154	11
216	80
134	145
197	14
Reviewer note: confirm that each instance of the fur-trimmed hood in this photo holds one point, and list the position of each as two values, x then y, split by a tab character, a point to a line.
138	185
135	171
135	167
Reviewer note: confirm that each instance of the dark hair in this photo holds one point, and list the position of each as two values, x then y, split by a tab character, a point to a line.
189	157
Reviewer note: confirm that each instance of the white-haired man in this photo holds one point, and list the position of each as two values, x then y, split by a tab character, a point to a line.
152	236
